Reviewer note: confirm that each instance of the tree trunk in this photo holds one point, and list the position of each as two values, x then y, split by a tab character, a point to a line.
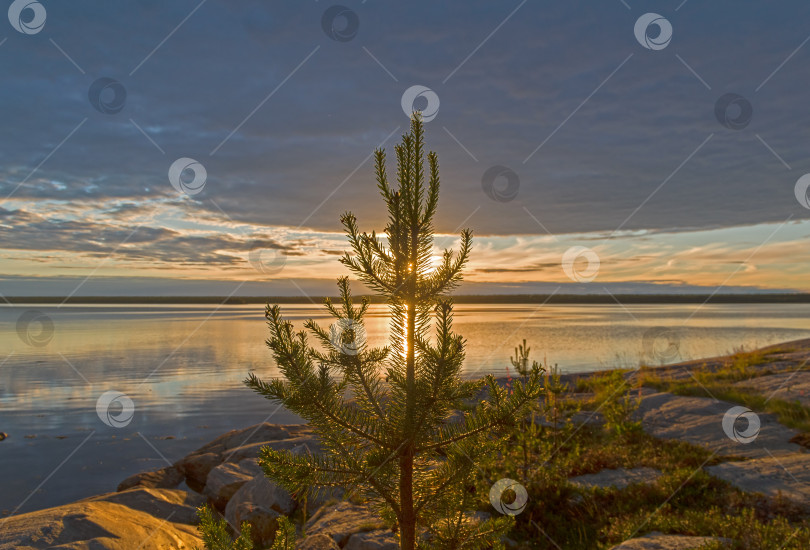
407	518
407	515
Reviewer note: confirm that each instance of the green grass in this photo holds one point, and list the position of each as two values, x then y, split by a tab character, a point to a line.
684	500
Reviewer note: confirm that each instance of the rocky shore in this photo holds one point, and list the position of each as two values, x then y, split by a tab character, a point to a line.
156	509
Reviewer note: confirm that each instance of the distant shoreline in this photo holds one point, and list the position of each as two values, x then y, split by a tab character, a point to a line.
763	298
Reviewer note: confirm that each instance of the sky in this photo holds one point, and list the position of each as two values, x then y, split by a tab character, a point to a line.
210	147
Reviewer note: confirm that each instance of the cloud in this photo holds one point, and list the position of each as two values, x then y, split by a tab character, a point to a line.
147	244
285	142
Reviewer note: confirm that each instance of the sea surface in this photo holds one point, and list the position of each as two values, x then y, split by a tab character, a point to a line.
172	374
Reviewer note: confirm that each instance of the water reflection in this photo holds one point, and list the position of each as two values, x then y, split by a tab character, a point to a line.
171	356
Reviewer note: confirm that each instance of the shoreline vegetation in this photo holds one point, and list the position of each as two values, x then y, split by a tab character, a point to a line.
749	298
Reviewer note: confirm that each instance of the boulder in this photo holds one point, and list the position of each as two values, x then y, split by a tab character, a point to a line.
253	435
342	520
318	542
195	468
296	445
263	522
379	539
238	445
259	502
262	492
115	521
224	480
164	478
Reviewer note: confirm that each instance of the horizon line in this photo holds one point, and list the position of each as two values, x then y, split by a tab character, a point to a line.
610	298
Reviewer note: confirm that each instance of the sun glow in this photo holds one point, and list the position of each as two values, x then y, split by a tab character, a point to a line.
405	334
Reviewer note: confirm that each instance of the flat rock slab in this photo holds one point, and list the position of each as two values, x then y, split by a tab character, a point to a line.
699	420
619	478
788	475
169	504
659	541
164	478
787	386
341	521
224	480
117	521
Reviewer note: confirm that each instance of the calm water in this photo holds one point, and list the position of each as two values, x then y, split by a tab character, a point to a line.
183	366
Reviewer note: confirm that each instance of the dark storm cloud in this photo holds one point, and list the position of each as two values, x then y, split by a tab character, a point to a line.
26	231
501	104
